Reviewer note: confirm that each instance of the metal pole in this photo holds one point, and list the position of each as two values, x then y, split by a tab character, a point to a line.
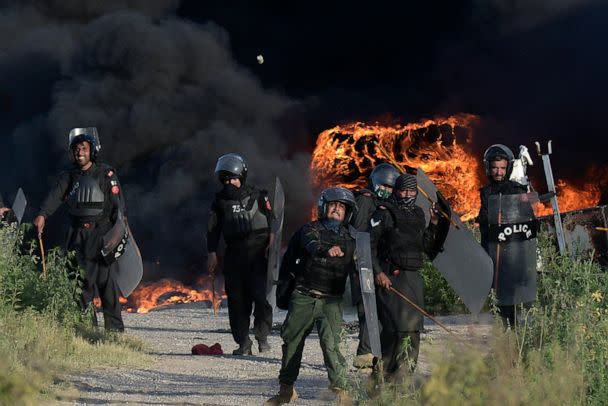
557	217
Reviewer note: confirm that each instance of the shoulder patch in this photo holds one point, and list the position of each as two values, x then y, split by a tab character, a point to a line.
268	206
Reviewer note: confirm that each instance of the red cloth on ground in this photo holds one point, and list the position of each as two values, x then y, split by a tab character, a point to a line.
202	349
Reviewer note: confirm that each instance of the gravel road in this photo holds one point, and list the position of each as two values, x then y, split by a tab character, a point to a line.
179	378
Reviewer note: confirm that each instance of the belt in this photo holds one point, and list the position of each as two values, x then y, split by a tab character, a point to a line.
315	294
87	225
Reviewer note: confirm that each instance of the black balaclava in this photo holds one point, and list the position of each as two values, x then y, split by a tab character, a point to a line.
403	182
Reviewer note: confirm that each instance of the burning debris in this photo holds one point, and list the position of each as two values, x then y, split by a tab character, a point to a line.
346	154
151	295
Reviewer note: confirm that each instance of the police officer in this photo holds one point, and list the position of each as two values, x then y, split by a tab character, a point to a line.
244	215
498	162
399	237
327	247
381	183
95	202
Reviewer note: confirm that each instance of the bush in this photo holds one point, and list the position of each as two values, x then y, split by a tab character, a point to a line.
557	353
439	297
42	331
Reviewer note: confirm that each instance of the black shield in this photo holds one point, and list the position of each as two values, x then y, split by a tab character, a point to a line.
463	262
512	246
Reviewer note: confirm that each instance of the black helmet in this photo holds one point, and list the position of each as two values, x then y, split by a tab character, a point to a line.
231	166
337	194
383	174
498	152
88	134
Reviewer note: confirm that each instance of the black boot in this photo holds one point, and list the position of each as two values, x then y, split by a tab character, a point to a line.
263	345
244	349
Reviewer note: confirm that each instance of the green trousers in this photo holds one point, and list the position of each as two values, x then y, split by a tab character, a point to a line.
304	313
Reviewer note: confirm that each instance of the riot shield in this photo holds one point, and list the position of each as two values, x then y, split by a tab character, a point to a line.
19	205
274	252
120	247
463	262
363	261
115	241
512	246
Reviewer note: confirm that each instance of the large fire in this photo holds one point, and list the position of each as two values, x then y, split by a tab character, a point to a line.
346	154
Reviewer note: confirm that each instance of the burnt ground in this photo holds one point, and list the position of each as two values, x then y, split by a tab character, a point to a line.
180	378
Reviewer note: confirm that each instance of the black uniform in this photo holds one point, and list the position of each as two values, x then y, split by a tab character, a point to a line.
244	216
507	187
94	198
399	237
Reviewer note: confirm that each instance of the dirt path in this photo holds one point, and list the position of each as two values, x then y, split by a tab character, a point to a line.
179	378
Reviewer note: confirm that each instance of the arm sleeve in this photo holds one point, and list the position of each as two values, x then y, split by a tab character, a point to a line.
365	208
267	209
116	194
380	222
56	195
311	241
430	234
214	228
482	219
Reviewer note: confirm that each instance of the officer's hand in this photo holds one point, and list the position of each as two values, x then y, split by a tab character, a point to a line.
434	211
383	281
211	262
4	210
39	223
335	251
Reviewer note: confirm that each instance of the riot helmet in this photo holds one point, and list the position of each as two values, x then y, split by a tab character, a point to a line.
88	134
498	152
405	181
231	166
337	194
383	174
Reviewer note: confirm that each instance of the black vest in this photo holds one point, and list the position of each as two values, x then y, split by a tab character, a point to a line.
85	198
242	217
326	274
405	242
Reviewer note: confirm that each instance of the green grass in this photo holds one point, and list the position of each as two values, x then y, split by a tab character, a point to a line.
43	333
556	354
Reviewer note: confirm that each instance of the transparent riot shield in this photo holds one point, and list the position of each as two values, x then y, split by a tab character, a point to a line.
274	252
512	246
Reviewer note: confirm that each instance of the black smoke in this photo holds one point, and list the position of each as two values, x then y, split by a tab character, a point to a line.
167	98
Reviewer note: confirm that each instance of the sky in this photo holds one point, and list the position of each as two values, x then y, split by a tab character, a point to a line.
173	84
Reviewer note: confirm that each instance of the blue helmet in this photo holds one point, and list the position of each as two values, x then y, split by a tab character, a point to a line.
337	194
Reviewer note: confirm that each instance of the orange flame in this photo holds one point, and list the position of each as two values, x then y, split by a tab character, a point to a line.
346	154
167	291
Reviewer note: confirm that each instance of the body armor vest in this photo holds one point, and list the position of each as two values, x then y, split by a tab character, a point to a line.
327	274
405	242
242	217
85	198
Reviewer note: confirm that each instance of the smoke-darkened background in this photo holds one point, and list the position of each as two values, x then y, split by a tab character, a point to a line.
173	84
